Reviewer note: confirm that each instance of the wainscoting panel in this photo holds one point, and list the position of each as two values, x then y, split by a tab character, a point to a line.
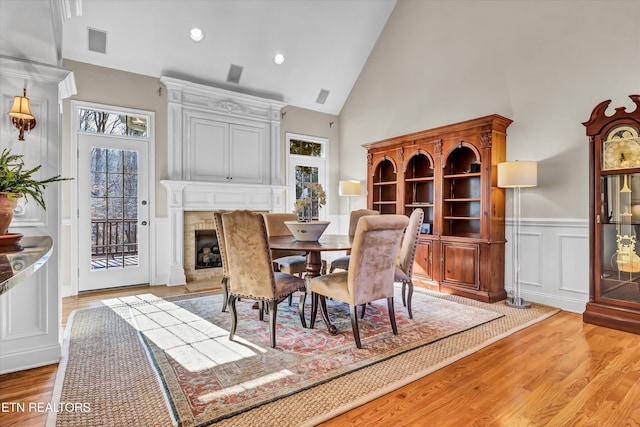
554	262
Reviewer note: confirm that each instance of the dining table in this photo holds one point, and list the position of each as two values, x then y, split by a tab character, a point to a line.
313	249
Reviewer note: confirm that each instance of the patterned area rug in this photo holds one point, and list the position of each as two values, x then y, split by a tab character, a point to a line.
206	378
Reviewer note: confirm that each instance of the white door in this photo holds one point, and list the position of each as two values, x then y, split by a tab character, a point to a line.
113	211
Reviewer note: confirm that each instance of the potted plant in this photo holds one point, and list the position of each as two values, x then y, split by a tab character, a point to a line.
306	229
17	181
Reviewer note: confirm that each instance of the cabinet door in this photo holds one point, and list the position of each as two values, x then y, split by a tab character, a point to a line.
207	155
248	154
460	266
423	261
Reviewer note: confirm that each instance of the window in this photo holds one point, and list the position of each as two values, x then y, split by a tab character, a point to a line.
109	123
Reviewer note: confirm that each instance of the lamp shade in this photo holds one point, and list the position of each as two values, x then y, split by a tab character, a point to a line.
349	188
21	108
522	173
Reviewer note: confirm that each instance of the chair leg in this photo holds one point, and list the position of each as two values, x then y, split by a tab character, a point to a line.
354	324
392	315
290	299
234	316
314	309
404	290
409	296
325	315
261	307
273	311
225	293
363	310
303	299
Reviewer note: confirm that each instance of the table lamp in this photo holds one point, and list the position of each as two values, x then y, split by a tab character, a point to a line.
349	188
516	175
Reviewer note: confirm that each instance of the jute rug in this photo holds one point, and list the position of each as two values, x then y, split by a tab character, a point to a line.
147	378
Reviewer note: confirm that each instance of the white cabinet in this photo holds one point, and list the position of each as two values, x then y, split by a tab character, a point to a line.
217	135
225	151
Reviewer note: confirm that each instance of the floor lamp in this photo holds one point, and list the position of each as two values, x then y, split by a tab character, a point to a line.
516	175
349	188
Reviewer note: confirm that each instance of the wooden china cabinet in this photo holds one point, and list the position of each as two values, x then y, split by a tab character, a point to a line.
449	172
614	219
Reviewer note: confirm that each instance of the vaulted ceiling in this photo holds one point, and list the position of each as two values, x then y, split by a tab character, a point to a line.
325	42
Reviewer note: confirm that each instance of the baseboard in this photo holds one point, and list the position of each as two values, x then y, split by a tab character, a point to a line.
33	358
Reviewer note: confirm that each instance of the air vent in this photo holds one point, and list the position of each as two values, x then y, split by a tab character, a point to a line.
235	71
97	41
322	97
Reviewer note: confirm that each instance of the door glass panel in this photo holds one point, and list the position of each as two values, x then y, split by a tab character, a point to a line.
114	208
305	148
619	229
106	122
304	176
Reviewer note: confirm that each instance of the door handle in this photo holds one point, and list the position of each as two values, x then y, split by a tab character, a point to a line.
144	222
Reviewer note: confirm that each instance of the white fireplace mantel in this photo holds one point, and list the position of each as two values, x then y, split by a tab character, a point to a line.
210	196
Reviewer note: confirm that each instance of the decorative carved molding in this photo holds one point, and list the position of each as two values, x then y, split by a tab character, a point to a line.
370	162
437	147
486	139
230	106
401	157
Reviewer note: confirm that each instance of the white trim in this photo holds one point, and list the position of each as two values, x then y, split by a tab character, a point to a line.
151	137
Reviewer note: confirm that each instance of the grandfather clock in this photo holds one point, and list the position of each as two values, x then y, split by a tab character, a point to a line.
614	219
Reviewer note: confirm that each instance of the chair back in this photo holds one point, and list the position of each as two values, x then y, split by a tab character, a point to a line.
248	256
217	220
276	227
354	216
410	242
373	257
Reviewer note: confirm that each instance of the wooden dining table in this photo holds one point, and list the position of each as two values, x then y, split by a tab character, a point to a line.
328	242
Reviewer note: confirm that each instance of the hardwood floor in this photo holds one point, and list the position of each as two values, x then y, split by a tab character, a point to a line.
559	372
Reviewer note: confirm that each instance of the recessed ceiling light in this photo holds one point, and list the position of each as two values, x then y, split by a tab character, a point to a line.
278	59
196	34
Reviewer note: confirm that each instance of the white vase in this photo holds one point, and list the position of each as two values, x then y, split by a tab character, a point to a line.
307	231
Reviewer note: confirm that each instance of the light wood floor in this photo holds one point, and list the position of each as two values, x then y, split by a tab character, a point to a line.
559	372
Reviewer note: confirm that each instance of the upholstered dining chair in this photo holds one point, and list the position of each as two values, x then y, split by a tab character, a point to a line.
217	219
291	262
370	273
406	256
251	272
343	262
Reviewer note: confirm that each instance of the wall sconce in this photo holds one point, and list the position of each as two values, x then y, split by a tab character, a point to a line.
21	116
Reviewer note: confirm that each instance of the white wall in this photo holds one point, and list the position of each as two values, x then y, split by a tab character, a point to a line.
30	313
544	64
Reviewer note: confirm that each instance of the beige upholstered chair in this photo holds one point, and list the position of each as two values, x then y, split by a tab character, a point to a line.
371	269
217	219
251	272
343	261
404	267
291	262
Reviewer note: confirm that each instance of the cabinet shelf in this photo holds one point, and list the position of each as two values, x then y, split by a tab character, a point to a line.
463	175
463	218
387	202
466	200
421	179
385	183
418	205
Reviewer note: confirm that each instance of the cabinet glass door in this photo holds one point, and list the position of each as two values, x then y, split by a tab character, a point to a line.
619	231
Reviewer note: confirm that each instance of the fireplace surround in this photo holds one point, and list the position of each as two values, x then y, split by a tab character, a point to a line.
185	197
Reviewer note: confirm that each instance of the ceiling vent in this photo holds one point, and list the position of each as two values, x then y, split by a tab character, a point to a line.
97	41
322	97
235	71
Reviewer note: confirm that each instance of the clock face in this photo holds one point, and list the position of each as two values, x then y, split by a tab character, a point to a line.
621	148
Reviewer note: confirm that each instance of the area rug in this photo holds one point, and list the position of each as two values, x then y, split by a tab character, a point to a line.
150	361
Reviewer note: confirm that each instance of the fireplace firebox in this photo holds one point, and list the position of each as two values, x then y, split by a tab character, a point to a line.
207	251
